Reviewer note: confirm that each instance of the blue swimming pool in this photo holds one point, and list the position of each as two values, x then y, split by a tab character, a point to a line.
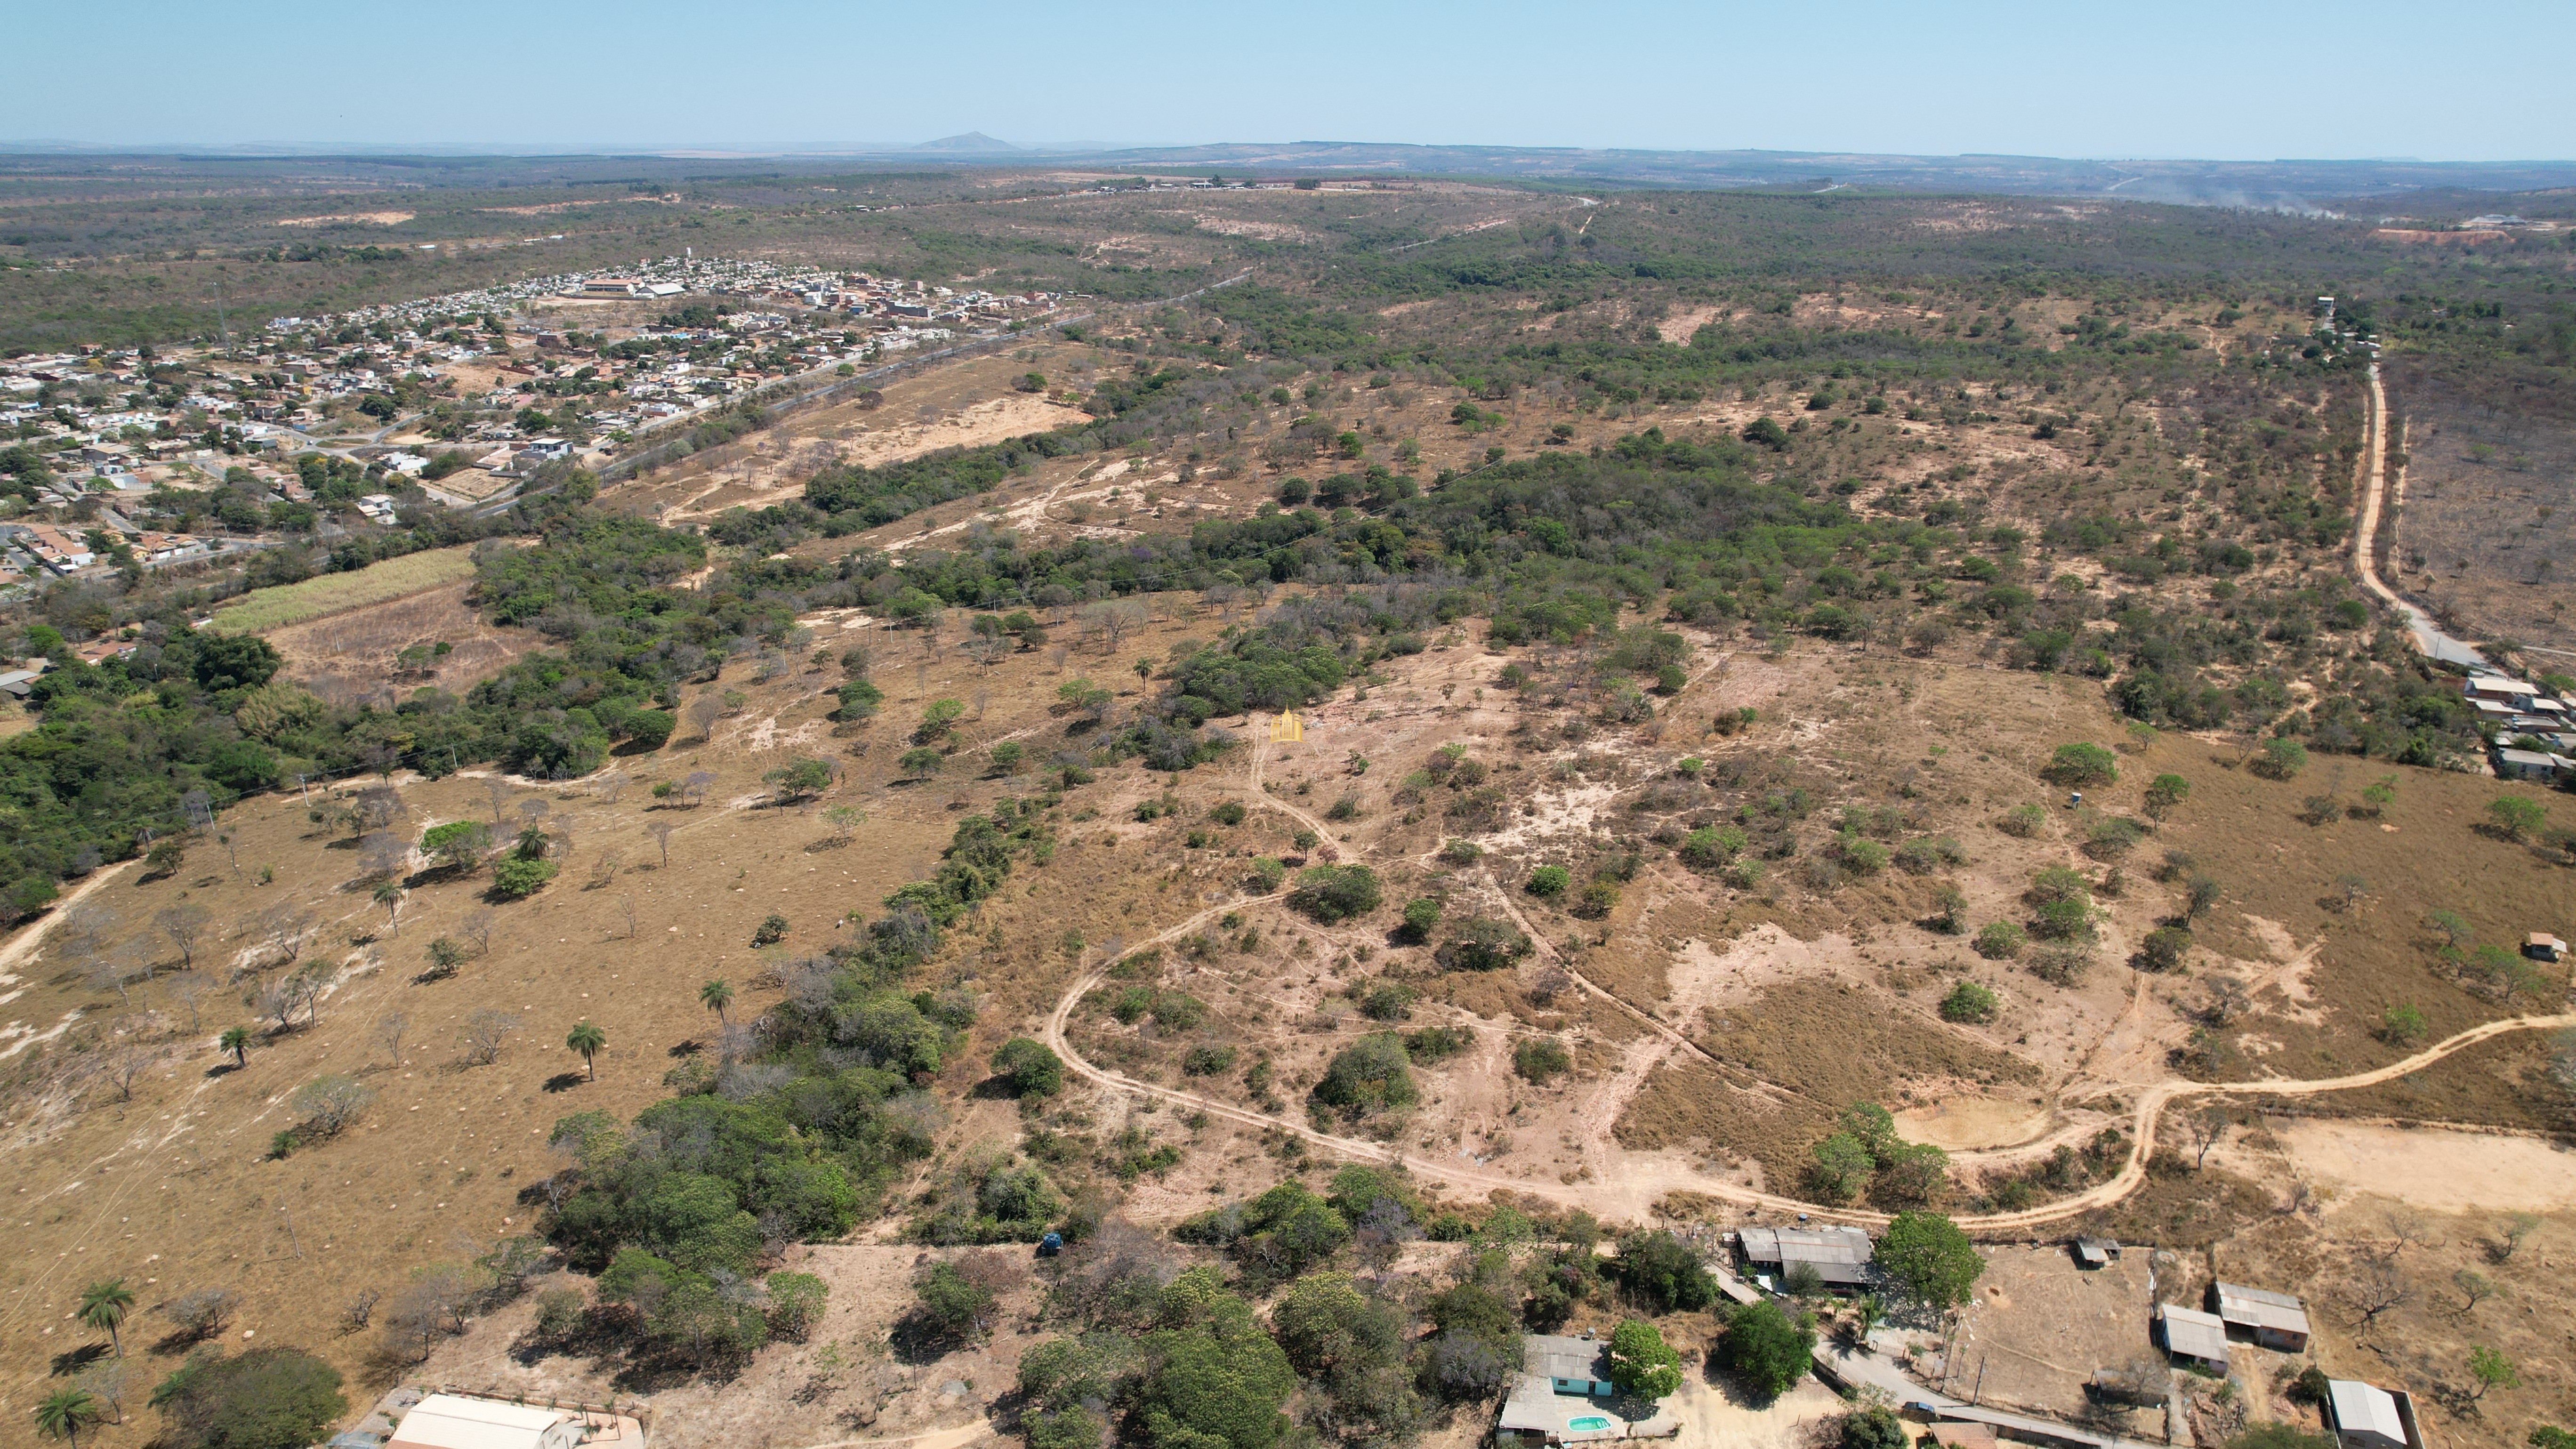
1588	1421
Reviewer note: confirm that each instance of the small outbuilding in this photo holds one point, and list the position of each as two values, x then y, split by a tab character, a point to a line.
2095	1252
460	1421
2276	1320
2190	1333
2365	1417
1839	1255
2539	945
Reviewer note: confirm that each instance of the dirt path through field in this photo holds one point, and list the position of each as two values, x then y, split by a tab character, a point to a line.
1637	1185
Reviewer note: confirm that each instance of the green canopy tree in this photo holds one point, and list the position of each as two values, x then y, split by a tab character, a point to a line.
1927	1253
1641	1362
587	1039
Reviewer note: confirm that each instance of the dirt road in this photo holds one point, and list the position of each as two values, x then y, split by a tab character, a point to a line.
1637	1191
2429	639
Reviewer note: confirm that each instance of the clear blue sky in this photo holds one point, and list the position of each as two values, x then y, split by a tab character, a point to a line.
2251	79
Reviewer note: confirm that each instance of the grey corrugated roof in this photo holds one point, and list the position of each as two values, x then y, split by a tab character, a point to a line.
1562	1357
2261	1308
2192	1332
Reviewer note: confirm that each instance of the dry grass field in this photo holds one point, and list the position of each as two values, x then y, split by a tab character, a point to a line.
262	610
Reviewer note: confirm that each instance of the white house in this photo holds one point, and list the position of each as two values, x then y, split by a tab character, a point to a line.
453	1421
2371	1418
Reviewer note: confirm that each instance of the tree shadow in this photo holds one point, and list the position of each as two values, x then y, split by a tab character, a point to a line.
72	1360
564	1081
222	1069
688	1048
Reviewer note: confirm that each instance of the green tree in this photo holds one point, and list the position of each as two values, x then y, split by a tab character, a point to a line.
950	1306
1970	1002
104	1306
588	1040
1928	1254
2516	816
1218	1379
1641	1362
1029	1068
2402	1024
1335	893
268	1398
938	721
1841	1169
63	1413
1549	881
2282	759
921	763
2165	792
715	996
1765	1349
236	1039
800	779
1369	1075
2079	765
1662	1274
795	1304
2492	1370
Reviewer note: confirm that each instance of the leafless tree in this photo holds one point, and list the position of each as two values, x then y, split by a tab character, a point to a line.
83	931
105	1381
626	908
429	1308
200	1314
610	786
289	928
2475	1288
382	855
185	925
704	711
661	830
695	785
123	1066
499	791
561	828
390	1029
327	1105
484	1033
2380	1286
380	806
2208	1127
2407	1228
199	809
278	1000
532	810
477	928
604	869
117	968
188	988
360	1307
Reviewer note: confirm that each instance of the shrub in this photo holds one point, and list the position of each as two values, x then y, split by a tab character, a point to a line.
1481	943
1331	893
2064	920
2165	792
1711	846
268	1398
771	930
458	844
860	700
2024	821
1461	852
2516	816
1662	1273
1267	873
921	762
1970	1003
2164	948
1028	1068
2281	759
1368	1075
651	728
1207	1059
1420	915
1541	1059
1549	881
1863	856
1228	812
1744	874
2079	765
516	878
2000	941
795	1304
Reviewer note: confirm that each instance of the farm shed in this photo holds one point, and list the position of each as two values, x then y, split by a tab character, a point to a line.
2276	1319
2190	1333
1840	1256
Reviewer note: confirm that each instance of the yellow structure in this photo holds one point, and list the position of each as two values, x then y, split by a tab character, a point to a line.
1287	729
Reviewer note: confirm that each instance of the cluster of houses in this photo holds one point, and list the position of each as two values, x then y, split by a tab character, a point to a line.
2535	734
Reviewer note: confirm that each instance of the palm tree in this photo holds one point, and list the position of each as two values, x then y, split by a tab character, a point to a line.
63	1413
716	996
587	1040
236	1039
389	895
104	1304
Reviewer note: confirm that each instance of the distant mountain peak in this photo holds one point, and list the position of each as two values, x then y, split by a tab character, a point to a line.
971	141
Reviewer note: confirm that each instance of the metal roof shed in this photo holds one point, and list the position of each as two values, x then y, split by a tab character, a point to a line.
2370	1418
2190	1333
2277	1319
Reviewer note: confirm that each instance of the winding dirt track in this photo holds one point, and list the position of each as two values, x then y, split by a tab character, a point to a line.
2153	1098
